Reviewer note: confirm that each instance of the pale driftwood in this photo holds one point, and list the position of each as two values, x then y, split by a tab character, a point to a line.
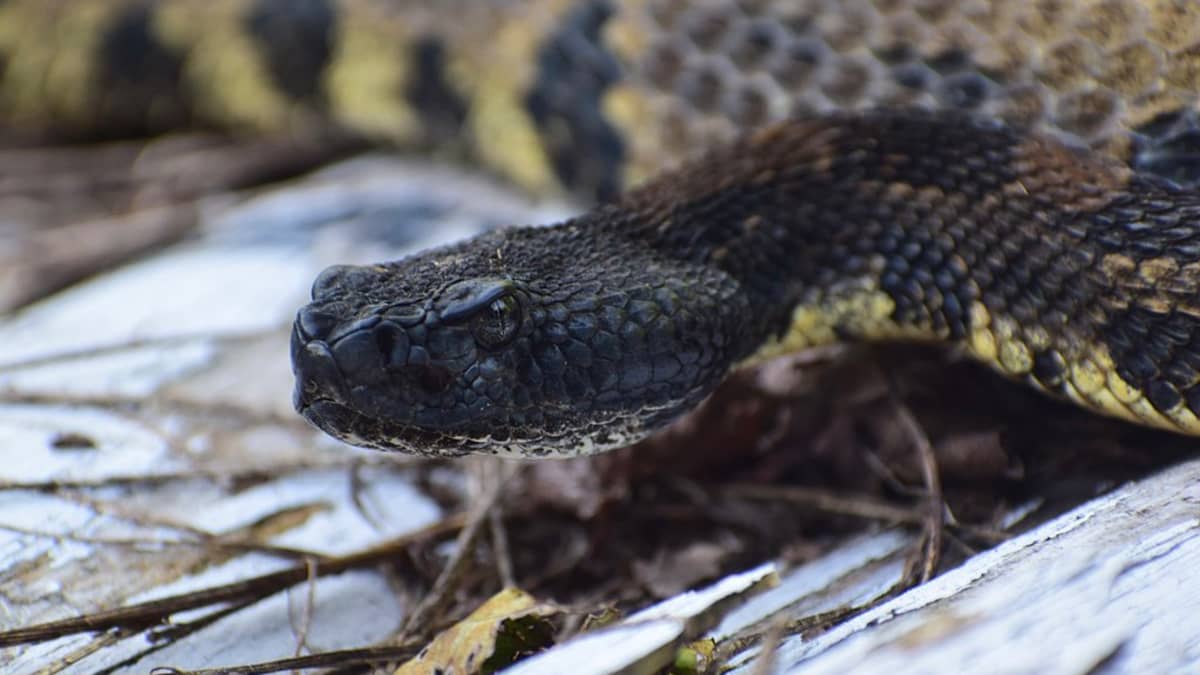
149	447
646	642
1109	587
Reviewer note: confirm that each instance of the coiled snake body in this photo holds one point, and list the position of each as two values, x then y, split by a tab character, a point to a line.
1061	269
853	189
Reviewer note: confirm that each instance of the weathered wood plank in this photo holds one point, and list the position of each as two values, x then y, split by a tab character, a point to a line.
150	447
1112	586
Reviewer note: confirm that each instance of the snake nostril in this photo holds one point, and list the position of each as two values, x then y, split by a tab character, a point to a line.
316	372
315	324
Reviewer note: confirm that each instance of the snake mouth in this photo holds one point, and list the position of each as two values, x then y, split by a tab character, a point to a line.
318	379
329	416
350	426
322	397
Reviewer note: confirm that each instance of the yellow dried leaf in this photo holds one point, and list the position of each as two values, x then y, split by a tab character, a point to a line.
509	626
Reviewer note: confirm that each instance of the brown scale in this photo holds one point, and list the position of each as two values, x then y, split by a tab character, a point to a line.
1099	74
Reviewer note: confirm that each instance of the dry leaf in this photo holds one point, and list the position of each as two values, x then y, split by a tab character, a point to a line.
509	626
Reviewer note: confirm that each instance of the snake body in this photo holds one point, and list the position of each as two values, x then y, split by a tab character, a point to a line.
1014	178
1063	269
592	96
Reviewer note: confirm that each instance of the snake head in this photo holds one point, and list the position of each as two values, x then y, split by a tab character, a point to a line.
524	341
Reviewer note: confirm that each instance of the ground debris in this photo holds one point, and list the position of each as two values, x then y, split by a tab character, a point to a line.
507	627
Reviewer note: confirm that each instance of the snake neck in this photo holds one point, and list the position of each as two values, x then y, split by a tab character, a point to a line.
873	227
911	226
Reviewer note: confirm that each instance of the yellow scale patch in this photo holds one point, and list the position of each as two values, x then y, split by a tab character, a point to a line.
51	58
629	106
496	76
222	65
371	61
1091	379
628	109
858	308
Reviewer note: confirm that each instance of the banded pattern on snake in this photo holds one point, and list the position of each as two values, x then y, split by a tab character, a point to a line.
593	96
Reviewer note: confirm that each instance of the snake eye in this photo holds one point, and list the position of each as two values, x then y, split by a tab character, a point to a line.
496	325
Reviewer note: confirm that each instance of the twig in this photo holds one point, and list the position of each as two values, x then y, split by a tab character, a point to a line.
220	474
860	507
210	543
310	601
934	522
504	564
768	649
161	638
343	658
760	630
146	614
867	508
456	567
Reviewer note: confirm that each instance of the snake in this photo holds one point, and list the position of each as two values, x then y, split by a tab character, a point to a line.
1014	180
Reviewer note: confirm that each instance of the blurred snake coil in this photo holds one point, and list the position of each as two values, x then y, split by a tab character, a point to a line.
1015	178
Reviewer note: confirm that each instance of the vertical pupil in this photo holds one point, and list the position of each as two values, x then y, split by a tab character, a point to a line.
497	323
498	319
